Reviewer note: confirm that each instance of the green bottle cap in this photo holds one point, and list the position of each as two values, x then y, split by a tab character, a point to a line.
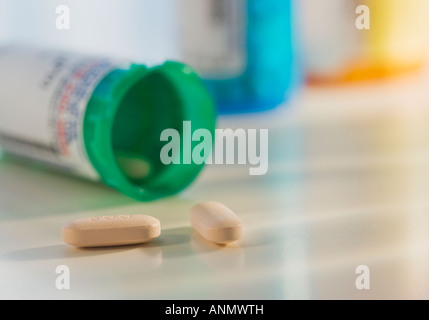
124	119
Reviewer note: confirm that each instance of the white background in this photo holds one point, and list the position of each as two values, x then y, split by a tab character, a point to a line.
140	30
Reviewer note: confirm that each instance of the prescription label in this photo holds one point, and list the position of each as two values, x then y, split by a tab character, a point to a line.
213	36
44	95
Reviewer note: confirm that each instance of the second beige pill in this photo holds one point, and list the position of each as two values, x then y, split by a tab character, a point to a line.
216	222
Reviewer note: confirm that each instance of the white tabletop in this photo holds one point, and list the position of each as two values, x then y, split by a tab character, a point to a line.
347	186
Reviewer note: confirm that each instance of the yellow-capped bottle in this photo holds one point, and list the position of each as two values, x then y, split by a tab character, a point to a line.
363	39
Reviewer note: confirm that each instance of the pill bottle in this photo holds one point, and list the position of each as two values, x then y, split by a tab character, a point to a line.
100	118
245	50
362	39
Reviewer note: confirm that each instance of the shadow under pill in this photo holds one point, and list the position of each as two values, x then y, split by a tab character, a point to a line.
175	242
173	237
185	241
229	257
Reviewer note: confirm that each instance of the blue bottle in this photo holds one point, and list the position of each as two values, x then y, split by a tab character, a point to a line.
244	49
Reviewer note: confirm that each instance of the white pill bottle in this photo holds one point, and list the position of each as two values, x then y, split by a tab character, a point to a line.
99	118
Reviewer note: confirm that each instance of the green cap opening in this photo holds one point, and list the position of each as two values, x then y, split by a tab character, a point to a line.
124	119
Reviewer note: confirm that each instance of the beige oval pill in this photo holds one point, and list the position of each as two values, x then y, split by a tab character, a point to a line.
216	222
111	230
